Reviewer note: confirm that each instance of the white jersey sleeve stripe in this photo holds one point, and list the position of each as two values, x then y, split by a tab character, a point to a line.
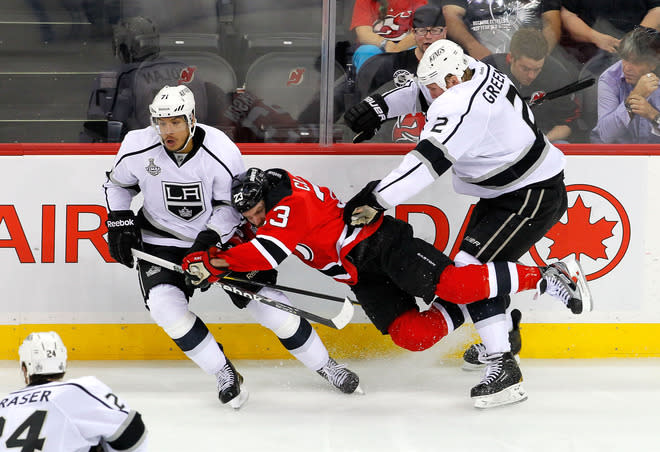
434	155
130	435
273	250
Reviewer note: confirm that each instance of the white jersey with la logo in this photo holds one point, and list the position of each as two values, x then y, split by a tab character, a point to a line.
69	415
183	193
485	132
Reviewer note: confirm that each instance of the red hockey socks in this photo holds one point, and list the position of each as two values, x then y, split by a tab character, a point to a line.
417	331
528	277
471	283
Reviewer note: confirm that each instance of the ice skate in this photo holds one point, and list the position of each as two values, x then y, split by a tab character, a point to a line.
229	386
474	356
567	282
501	383
340	377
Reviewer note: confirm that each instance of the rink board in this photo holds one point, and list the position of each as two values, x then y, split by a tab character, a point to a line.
57	273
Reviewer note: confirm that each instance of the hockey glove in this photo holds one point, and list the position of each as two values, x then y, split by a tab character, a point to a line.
204	240
199	271
123	234
363	208
366	117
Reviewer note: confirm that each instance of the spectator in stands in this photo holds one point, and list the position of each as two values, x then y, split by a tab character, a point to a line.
382	26
386	70
531	69
428	27
483	27
628	94
594	25
123	95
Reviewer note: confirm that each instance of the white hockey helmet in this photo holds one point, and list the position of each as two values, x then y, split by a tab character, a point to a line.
441	59
43	354
172	101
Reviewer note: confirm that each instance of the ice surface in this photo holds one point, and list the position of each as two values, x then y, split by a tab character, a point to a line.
413	402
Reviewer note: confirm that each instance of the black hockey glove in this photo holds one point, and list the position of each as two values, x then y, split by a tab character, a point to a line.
363	208
366	117
123	234
204	240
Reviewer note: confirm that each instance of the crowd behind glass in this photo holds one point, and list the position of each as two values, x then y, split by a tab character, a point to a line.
85	70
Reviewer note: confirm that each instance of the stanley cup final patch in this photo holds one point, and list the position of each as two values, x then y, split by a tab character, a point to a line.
185	201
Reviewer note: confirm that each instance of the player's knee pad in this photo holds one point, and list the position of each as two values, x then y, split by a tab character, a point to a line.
168	307
462	285
282	323
417	331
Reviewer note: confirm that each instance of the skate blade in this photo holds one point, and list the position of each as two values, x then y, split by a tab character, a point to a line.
359	391
240	400
469	367
575	268
508	396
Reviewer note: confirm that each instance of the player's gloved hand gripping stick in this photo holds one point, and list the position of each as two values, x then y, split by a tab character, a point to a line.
363	208
339	321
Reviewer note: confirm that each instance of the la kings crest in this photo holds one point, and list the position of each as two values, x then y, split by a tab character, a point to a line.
185	201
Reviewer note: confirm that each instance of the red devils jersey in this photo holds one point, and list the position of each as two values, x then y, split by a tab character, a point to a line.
303	219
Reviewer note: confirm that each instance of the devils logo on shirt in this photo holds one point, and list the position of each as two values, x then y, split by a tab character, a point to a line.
408	128
187	74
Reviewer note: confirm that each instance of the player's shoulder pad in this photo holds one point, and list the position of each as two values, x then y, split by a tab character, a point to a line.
139	140
91	384
449	103
279	186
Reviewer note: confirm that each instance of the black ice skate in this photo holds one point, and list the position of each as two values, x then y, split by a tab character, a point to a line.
567	282
474	356
229	386
340	377
501	384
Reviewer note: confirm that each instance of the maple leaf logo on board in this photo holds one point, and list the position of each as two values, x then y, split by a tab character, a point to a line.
595	228
579	235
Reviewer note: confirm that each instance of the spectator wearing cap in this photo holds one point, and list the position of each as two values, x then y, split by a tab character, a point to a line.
382	26
385	69
531	69
428	27
628	94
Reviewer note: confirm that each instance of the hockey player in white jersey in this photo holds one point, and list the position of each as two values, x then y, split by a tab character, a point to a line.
53	415
480	127
184	171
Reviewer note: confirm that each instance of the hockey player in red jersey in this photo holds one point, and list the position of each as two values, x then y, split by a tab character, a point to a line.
184	170
384	264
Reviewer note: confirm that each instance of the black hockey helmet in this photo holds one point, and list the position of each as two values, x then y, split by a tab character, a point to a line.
135	39
248	189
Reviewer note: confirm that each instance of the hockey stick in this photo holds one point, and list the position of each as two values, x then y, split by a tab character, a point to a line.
538	97
158	261
339	321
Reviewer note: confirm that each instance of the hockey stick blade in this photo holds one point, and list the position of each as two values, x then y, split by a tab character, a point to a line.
339	321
